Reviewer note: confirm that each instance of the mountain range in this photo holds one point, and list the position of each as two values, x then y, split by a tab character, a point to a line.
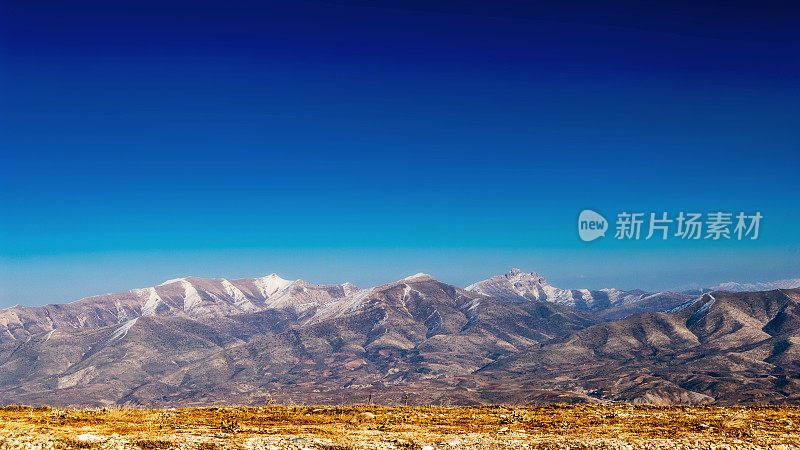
517	285
192	297
510	338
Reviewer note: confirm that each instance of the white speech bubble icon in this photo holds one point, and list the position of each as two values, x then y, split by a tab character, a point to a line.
591	225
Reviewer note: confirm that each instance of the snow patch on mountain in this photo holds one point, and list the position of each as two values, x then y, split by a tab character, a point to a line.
349	288
239	299
122	331
703	308
121	314
340	307
191	298
232	291
152	300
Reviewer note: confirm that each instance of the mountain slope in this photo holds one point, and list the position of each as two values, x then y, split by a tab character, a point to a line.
724	348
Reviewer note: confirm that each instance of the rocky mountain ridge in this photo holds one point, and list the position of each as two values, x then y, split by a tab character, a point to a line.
189	297
192	341
517	285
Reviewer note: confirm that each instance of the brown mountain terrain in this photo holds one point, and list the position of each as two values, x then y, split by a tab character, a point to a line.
195	342
413	330
725	348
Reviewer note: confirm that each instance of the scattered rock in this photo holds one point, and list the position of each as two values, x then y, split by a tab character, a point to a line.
88	437
361	417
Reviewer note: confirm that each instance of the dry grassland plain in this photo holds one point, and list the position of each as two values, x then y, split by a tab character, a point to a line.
374	427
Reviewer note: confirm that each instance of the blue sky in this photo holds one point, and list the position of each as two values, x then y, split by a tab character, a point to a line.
364	141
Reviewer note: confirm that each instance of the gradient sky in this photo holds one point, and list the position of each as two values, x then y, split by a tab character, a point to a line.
364	141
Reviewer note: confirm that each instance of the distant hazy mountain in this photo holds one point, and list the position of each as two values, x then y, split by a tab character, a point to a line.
791	283
607	303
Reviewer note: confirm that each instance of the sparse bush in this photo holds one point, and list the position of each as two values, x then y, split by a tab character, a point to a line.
408	445
152	444
229	425
72	443
14	408
333	447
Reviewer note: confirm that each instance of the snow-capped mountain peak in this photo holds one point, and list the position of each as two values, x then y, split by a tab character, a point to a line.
272	284
517	275
192	297
516	285
173	280
417	276
350	288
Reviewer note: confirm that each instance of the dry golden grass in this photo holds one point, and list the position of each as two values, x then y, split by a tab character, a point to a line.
340	428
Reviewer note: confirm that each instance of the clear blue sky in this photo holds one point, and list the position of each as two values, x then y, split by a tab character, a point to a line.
364	141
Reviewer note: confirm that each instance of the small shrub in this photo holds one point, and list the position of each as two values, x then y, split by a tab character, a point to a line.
72	443
152	444
333	447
